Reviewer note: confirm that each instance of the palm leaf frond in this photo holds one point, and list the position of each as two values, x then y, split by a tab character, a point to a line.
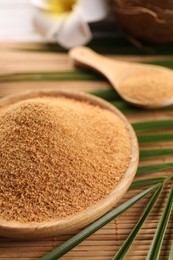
152	153
159	234
143	170
107	94
82	235
145	182
171	253
123	106
153	125
126	245
109	45
166	63
51	76
154	138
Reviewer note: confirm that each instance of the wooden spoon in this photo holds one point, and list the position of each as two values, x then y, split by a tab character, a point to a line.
130	74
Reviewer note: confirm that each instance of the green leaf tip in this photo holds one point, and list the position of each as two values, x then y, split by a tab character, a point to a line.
155	248
92	228
127	244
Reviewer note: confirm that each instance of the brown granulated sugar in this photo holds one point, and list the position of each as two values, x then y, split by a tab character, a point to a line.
149	87
58	156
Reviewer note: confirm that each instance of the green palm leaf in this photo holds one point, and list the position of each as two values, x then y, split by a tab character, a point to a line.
154	138
153	125
123	106
155	248
51	76
171	253
107	94
166	63
126	245
82	235
154	168
152	153
145	182
110	45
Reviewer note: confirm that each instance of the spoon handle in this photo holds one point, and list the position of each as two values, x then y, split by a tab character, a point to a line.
88	58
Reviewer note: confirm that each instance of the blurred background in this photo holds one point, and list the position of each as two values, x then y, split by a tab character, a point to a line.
16	21
139	22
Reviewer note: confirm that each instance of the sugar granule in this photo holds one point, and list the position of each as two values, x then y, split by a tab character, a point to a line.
148	87
58	156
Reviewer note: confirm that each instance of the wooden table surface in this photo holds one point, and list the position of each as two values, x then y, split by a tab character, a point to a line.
104	243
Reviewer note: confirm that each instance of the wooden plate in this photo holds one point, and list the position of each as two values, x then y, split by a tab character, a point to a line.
55	227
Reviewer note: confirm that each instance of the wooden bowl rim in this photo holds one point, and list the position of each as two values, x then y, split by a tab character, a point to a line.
32	230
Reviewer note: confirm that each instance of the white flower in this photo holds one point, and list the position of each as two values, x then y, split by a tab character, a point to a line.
66	21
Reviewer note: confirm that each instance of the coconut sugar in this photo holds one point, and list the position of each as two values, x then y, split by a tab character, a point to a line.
149	86
58	156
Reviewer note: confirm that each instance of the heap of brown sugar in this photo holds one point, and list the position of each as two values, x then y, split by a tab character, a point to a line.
149	87
58	156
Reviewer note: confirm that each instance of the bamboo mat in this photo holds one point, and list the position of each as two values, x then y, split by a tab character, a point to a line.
104	243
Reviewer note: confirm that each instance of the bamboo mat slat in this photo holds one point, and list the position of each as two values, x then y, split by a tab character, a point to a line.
105	242
9	88
13	61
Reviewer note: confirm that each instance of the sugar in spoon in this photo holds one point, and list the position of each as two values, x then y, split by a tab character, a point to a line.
142	85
